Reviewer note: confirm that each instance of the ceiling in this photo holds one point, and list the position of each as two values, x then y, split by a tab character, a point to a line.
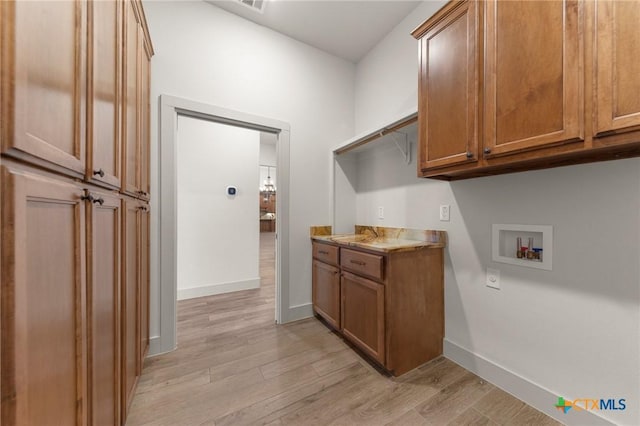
347	29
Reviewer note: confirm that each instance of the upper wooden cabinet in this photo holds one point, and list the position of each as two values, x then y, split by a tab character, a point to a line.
103	110
145	118
448	90
43	83
557	85
533	78
617	68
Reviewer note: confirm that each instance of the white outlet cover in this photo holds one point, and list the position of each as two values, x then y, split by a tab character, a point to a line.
381	212
445	211
493	278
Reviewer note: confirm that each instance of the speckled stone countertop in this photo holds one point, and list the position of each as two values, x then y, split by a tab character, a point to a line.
382	239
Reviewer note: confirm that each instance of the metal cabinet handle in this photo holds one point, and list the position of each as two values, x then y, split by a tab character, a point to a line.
87	197
469	154
323	252
99	172
98	200
487	150
358	262
143	208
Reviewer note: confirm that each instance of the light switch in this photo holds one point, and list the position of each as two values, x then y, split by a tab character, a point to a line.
493	278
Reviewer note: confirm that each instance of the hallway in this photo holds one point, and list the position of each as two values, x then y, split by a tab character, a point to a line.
234	366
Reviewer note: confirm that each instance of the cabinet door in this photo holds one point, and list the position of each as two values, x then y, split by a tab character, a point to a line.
130	300
363	314
130	113
144	280
145	143
43	302
448	90
103	307
534	75
326	292
103	140
43	77
617	48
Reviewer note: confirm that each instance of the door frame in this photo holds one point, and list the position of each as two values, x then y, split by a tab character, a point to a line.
170	108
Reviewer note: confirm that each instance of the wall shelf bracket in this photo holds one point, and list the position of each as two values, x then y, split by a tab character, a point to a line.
403	144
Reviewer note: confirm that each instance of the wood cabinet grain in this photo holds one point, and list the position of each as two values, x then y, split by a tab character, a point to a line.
617	69
44	362
326	292
558	84
390	305
43	109
75	253
363	314
448	89
534	75
104	230
104	53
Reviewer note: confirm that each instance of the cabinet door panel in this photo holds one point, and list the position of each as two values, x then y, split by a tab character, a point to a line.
130	296
363	314
533	75
43	301
448	88
45	116
617	47
326	292
103	257
145	142
131	134
144	281
103	144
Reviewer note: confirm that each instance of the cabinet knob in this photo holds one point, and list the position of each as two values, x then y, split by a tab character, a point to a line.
87	197
469	154
487	150
99	172
98	200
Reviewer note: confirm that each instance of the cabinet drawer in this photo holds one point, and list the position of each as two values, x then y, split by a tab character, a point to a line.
362	263
325	253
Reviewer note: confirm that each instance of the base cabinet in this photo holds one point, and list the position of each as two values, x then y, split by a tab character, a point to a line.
363	314
326	292
389	305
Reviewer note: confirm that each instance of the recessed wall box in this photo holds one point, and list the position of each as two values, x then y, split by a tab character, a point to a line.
510	244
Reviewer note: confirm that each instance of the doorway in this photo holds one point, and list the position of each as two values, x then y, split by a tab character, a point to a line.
170	109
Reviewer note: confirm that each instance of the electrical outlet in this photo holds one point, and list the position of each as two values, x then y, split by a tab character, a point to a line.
444	212
493	278
380	212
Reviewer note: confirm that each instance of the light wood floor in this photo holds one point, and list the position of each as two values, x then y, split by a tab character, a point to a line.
234	366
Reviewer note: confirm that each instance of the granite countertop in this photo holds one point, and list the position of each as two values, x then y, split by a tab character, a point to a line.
383	239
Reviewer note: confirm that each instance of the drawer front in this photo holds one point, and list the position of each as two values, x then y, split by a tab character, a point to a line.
362	263
325	253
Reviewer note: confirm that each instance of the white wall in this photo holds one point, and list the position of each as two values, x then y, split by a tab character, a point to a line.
207	55
573	331
268	149
218	235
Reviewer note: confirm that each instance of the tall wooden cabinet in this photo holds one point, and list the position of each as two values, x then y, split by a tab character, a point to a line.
74	289
555	83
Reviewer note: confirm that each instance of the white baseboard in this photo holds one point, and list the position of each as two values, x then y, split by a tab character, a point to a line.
532	393
298	312
212	289
155	347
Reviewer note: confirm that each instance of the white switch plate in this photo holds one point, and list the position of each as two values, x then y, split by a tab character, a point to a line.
444	212
493	278
380	212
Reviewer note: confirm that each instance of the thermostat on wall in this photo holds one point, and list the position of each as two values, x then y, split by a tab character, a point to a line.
232	190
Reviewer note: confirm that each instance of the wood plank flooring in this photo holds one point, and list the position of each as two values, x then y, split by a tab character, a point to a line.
234	366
